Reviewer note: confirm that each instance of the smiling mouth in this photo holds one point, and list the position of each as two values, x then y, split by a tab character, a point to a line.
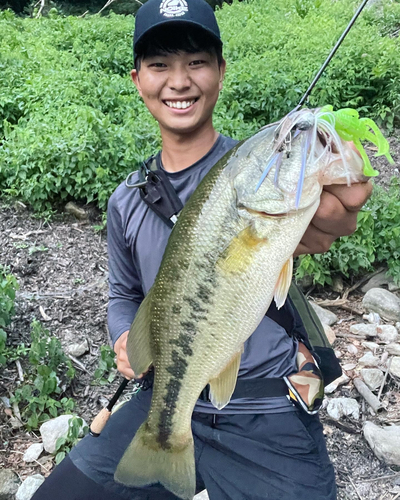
181	104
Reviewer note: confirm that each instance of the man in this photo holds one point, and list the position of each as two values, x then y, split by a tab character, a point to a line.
254	448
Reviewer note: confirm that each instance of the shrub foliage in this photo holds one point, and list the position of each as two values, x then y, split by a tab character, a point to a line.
376	241
72	126
8	287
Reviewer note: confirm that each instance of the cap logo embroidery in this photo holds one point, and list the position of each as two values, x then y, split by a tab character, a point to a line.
173	8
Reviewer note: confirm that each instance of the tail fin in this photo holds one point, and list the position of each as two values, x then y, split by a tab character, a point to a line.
146	462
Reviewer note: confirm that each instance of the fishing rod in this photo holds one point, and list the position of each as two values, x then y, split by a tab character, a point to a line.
332	53
101	419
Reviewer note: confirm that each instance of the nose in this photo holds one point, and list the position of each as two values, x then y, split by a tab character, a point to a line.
179	79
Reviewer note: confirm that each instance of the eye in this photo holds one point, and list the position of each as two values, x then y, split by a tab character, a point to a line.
197	62
157	65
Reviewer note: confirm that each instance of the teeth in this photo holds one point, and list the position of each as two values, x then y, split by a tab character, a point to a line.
179	104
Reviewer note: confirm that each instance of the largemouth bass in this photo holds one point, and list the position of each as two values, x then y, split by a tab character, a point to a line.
228	256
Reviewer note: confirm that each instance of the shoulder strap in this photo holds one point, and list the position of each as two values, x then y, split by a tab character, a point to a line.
157	191
328	362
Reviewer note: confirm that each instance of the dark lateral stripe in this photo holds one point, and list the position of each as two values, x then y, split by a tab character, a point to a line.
177	371
181	356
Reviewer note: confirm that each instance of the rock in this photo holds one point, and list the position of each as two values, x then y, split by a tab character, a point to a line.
368	360
326	317
9	483
336	383
78	212
373	318
339	407
398	326
202	496
53	429
305	282
349	366
385	303
330	334
78	349
392	287
395	367
387	333
363	329
393	349
372	377
377	281
337	284
384	441
352	349
373	346
33	452
29	487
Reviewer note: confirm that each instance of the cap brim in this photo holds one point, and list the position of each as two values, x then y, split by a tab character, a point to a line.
171	22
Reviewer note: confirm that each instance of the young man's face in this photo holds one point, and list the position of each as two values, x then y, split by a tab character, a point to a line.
180	90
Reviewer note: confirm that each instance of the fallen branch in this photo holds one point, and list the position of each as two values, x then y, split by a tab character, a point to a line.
379	478
384	379
355	489
107	4
20	371
369	397
351	336
342	303
342	427
42	3
78	364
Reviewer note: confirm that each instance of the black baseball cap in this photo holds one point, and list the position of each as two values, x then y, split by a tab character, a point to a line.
155	13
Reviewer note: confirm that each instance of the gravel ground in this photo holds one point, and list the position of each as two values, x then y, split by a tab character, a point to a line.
61	267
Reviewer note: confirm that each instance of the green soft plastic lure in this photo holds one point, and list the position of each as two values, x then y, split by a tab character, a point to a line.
350	127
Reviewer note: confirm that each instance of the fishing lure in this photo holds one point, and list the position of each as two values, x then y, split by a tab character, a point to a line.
351	127
337	126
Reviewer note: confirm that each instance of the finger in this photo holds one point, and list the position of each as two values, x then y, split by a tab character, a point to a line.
126	370
314	241
333	218
351	197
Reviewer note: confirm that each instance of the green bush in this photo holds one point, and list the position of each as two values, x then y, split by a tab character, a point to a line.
65	444
106	370
72	126
49	369
376	241
8	287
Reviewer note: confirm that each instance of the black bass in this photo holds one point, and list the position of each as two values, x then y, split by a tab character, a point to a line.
228	256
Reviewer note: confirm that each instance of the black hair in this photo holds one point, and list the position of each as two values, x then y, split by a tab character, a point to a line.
173	38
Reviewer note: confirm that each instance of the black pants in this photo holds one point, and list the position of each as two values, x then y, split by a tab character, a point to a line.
277	456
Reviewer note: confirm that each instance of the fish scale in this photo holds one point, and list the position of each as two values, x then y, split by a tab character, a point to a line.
228	255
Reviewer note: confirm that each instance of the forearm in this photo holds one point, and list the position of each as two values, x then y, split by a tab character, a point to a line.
121	313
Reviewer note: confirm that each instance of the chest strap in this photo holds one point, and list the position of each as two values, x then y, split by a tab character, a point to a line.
157	191
253	388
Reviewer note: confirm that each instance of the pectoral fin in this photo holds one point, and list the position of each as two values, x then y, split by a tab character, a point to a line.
283	284
222	387
139	340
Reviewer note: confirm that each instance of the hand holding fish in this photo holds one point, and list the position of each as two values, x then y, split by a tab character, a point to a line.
123	364
336	216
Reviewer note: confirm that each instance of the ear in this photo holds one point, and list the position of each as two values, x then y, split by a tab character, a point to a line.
135	79
222	70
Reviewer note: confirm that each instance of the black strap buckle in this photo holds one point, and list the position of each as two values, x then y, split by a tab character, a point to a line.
157	191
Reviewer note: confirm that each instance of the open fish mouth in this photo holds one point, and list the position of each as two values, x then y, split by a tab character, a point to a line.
266	215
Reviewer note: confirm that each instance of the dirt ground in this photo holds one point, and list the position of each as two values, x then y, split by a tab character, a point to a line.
61	267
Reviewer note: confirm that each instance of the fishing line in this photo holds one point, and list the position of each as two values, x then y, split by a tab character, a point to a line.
332	53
